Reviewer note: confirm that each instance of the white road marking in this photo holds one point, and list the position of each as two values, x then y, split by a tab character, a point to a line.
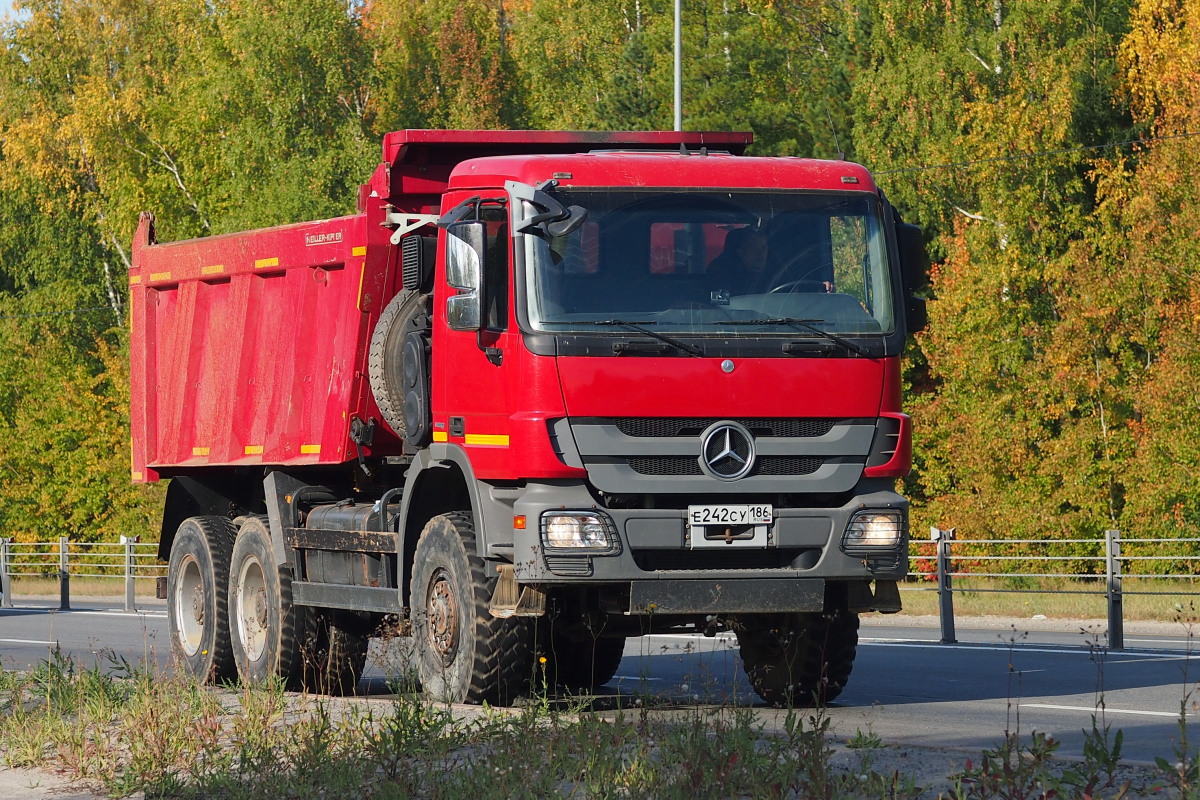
1098	712
1113	656
25	641
90	612
724	641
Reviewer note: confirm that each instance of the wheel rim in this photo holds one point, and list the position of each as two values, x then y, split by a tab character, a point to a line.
190	605
252	608
442	610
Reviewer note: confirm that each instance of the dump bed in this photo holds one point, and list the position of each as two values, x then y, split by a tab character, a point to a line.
251	348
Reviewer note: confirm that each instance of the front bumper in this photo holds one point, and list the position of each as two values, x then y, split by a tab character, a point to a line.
652	546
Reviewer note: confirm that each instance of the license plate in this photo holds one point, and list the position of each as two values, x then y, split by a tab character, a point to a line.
760	514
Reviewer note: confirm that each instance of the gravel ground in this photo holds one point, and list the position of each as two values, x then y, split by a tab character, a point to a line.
929	768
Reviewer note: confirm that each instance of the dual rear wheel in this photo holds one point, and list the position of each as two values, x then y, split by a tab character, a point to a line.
230	614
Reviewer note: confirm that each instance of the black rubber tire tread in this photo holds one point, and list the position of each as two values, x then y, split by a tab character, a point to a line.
493	662
580	663
385	368
806	660
286	623
213	662
334	656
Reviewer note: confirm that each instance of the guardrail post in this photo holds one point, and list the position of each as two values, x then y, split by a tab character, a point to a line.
5	577
64	576
945	589
128	542
1116	610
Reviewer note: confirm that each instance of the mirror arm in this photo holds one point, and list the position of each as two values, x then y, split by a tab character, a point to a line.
457	213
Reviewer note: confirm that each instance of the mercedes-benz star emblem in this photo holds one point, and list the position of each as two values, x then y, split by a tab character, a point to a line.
726	451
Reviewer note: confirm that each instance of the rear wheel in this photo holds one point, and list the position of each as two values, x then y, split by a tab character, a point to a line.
265	628
463	653
334	655
197	607
800	659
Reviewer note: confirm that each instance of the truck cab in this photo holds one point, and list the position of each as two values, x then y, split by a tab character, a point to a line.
604	385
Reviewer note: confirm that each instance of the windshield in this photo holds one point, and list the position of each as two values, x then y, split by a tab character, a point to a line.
713	262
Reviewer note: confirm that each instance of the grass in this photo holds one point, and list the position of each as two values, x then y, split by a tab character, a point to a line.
129	728
81	586
1066	598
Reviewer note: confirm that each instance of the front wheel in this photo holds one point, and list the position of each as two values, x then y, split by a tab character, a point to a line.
581	662
799	659
463	653
265	628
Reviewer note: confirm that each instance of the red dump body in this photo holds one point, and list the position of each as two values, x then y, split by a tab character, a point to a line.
251	348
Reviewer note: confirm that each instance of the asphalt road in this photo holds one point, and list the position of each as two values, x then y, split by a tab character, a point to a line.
907	688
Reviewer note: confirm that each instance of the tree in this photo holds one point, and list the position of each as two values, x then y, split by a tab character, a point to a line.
1022	415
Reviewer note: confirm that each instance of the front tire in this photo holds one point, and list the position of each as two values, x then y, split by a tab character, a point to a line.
800	659
463	653
197	598
265	628
581	662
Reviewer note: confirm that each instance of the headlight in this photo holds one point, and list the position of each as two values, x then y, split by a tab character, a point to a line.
871	531
578	530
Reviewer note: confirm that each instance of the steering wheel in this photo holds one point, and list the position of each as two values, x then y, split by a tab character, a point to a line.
815	287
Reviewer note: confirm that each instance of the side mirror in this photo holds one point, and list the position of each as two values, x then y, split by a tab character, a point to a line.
466	244
914	274
914	263
576	216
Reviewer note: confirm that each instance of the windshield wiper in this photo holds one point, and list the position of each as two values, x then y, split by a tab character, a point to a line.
804	325
690	349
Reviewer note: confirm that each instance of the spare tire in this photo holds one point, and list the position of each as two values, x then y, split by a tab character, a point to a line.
398	366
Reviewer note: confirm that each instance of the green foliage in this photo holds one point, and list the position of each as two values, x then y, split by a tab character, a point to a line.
1052	394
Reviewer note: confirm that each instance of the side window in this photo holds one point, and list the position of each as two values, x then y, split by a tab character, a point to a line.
848	237
496	267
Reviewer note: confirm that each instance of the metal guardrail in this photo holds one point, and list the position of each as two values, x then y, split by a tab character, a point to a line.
128	560
946	569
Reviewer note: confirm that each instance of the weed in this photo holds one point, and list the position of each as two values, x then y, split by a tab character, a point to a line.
864	740
1012	771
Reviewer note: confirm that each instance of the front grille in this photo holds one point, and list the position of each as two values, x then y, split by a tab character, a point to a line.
685	465
665	465
580	566
787	465
722	558
671	427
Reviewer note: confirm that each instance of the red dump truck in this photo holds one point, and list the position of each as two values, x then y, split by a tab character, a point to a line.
543	392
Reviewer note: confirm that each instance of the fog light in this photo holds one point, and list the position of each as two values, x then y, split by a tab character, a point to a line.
871	531
578	530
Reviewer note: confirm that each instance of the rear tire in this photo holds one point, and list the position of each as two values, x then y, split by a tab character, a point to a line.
197	598
463	653
265	628
802	659
334	655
